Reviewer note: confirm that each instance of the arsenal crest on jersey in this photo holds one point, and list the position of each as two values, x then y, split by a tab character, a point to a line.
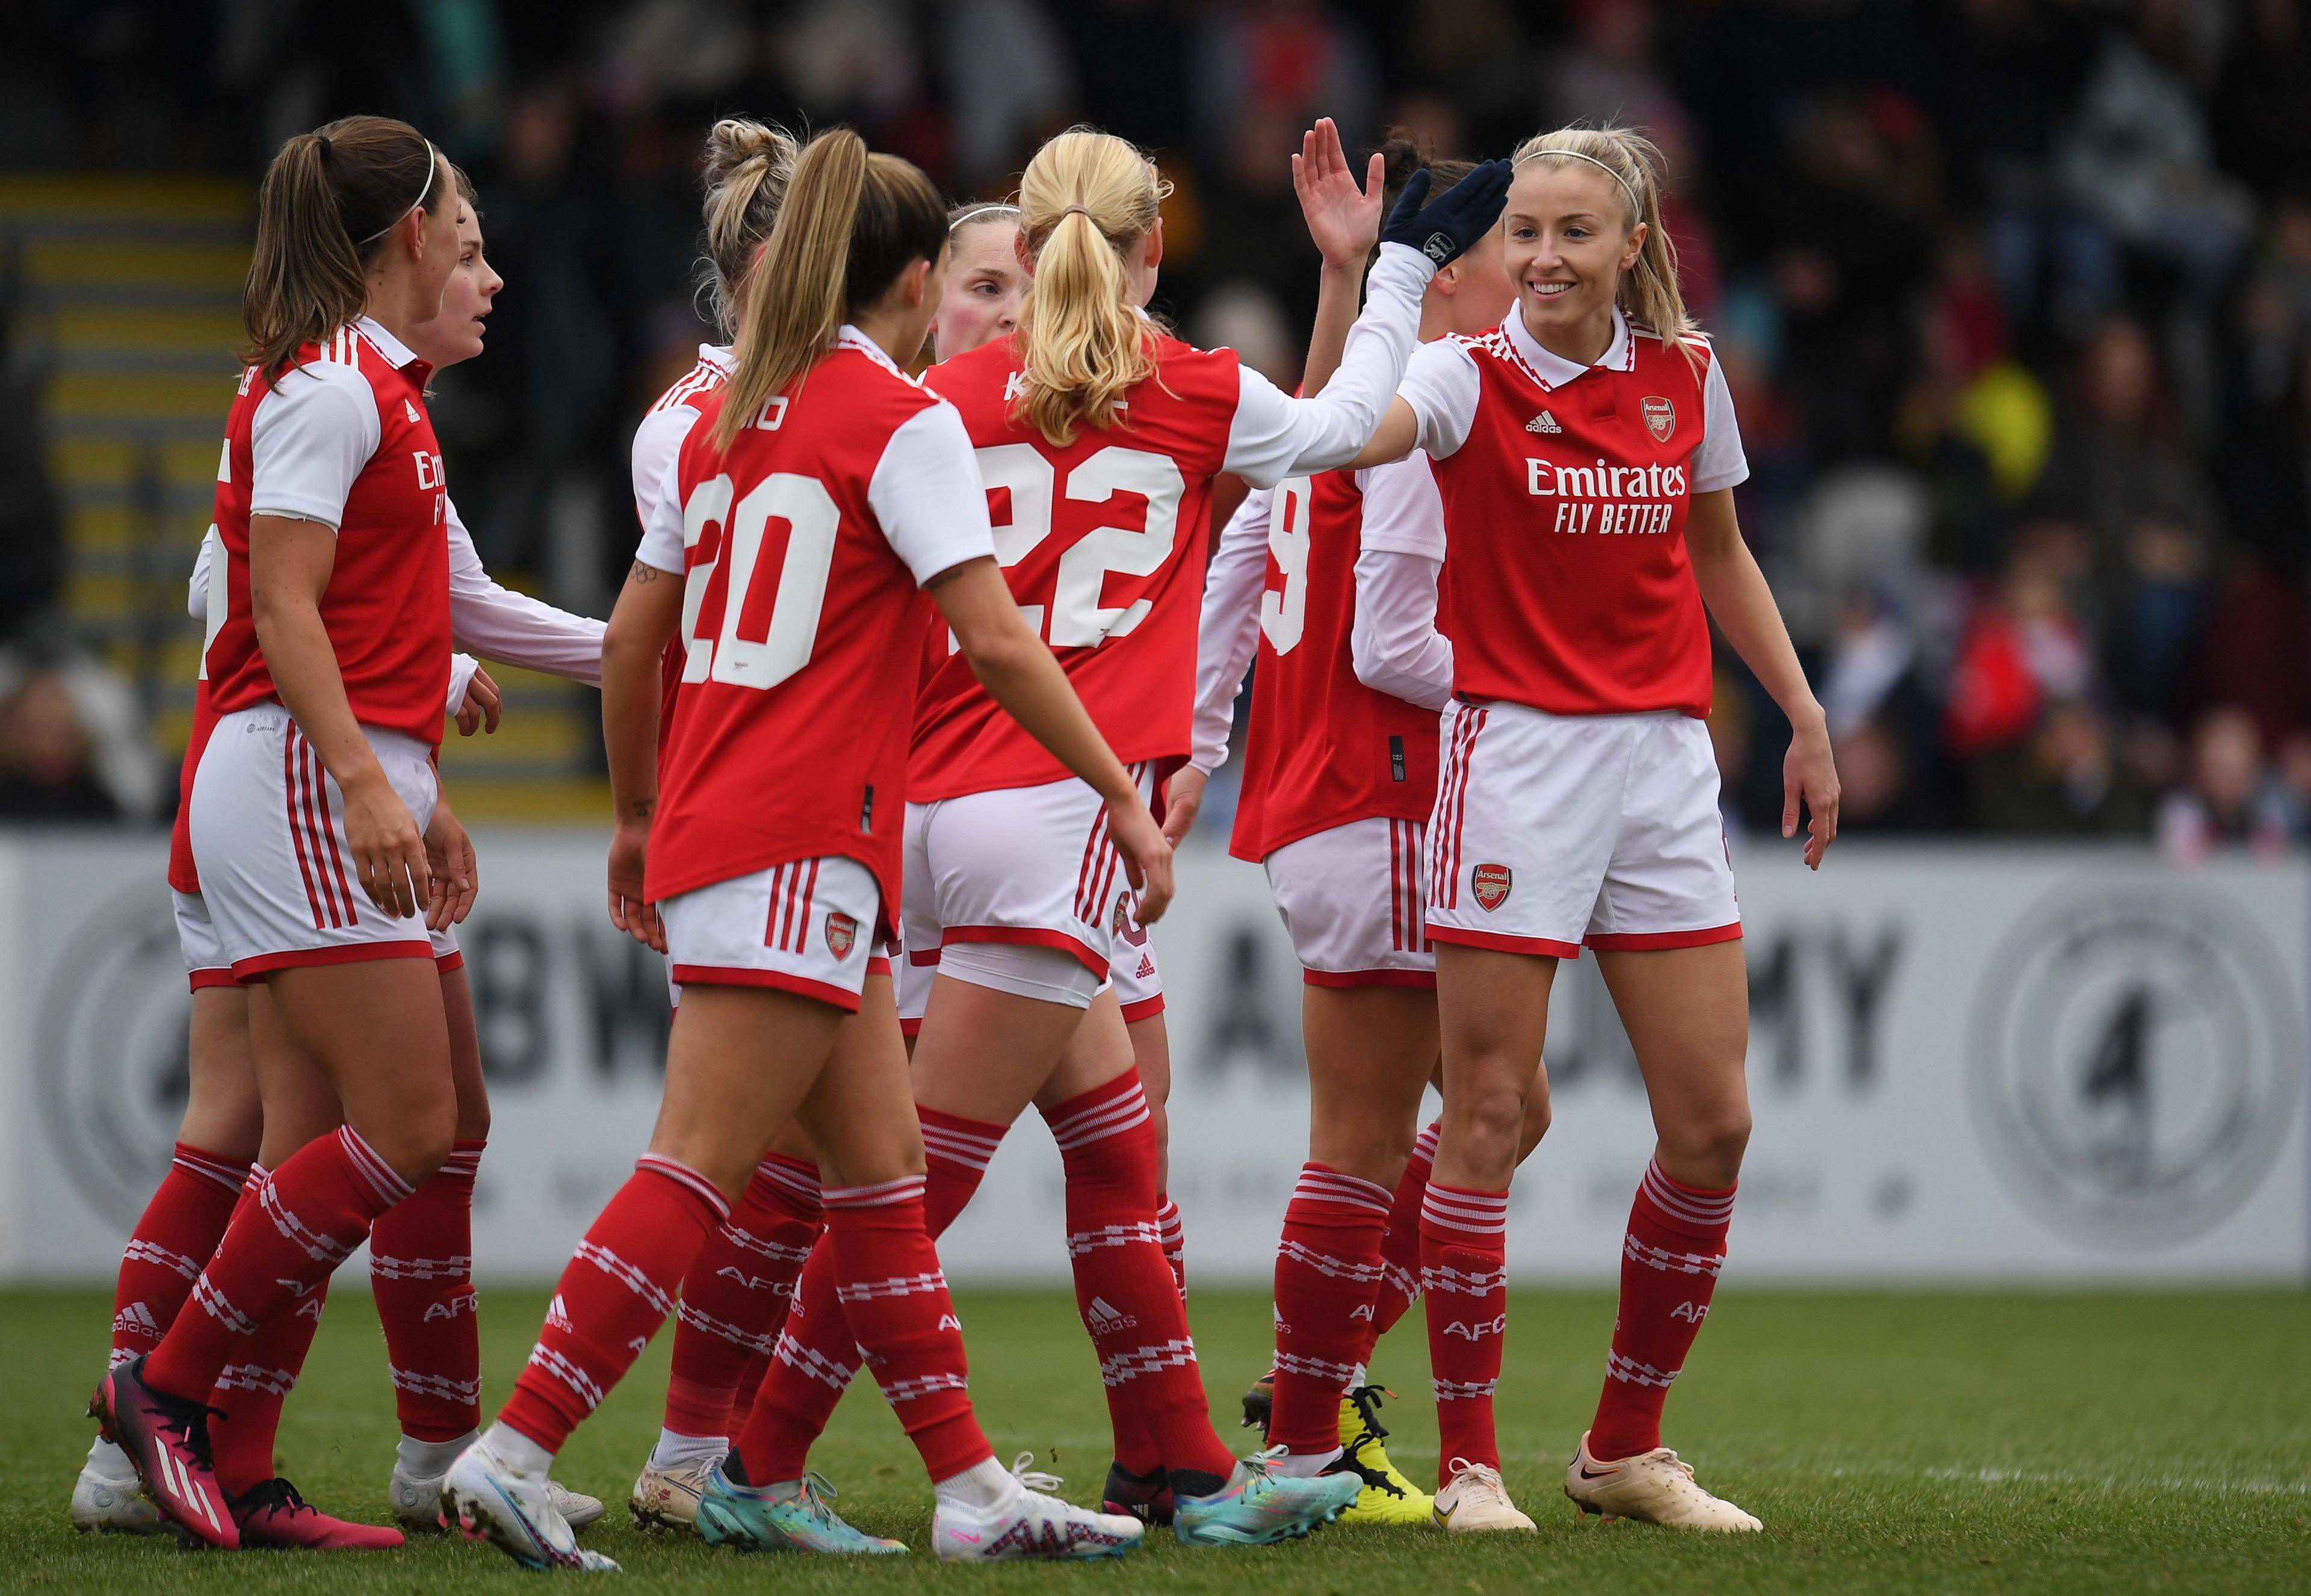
841	931
1491	884
1661	417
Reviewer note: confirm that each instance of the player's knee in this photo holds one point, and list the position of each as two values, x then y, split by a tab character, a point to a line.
415	1146
1535	1125
1709	1141
474	1119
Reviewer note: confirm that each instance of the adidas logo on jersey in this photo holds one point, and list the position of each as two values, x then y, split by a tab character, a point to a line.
1544	423
1101	1319
410	407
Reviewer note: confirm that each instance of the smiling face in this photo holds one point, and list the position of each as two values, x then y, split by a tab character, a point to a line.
1565	241
456	334
985	286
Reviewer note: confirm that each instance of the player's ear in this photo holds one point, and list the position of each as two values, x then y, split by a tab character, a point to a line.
1155	243
1636	247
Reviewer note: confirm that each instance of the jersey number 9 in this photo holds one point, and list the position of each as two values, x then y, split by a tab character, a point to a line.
1284	614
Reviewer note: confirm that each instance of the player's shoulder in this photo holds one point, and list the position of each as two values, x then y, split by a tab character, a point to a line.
1691	349
710	371
1491	343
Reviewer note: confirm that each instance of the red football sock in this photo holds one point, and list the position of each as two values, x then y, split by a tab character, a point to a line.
173	1238
250	1389
1124	1289
1174	1240
309	1214
894	1297
421	1267
1670	1261
750	1381
734	1296
1399	1247
616	1291
1464	1274
817	1352
1328	1269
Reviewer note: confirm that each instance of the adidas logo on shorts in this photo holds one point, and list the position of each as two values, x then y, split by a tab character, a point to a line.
1543	422
1101	1319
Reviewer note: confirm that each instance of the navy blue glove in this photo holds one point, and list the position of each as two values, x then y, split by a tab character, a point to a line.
1446	229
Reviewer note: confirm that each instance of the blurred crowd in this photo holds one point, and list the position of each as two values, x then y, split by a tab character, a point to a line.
2014	297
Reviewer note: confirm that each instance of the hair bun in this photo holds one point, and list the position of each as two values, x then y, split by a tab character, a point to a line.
735	141
1402	158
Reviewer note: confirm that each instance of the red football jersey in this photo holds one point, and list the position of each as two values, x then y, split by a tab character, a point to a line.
657	435
1103	545
1568	586
387	604
804	548
1324	749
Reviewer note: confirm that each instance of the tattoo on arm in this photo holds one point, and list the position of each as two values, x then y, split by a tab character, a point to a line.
644	573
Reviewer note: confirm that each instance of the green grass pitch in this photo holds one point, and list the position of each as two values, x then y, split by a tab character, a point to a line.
1890	1440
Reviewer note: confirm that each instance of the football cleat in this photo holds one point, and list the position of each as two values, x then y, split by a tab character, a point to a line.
166	1441
1031	1523
744	1516
1260	1403
416	1503
1258	1507
1474	1500
488	1501
667	1498
1146	1498
105	1496
1388	1497
1655	1487
273	1516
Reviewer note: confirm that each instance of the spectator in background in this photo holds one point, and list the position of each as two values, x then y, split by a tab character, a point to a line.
47	769
2064	780
2230	797
1010	84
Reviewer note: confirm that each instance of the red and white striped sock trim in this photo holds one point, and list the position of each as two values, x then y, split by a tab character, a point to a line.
1319	1184
208	1166
1167	1222
953	1139
683	1175
389	1187
883	1194
791	1175
253	1183
1686	1206
1426	1147
1126	1110
1474	1213
464	1163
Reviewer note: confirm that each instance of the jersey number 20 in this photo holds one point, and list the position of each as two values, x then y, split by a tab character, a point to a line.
812	521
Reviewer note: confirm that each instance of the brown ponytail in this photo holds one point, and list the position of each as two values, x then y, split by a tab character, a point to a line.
850	224
1648	294
748	165
330	200
1086	199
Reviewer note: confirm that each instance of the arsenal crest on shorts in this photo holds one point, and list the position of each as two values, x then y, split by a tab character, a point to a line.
1490	884
1661	417
841	931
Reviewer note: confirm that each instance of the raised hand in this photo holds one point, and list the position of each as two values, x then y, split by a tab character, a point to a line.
1343	219
1446	229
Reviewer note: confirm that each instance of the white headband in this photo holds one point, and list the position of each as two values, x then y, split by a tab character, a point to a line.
433	169
1576	155
981	213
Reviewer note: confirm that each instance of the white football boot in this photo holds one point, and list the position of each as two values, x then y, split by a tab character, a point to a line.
105	1496
515	1512
416	1502
1656	1486
667	1498
1030	1524
1475	1500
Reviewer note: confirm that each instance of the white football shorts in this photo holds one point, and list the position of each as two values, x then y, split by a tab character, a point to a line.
1551	832
1354	900
268	834
1023	866
807	927
206	965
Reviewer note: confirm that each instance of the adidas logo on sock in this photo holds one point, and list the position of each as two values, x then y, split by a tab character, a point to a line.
1543	422
135	1317
557	1317
1101	1319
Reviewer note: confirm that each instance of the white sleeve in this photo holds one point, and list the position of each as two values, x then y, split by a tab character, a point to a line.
1404	512
309	439
661	547
196	596
514	627
1394	642
1274	435
928	493
1441	385
1718	461
462	668
1229	630
658	445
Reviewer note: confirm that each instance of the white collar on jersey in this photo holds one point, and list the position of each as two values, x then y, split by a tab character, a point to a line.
1555	370
851	337
719	356
394	350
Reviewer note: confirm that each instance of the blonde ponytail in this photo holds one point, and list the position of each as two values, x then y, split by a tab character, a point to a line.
1086	198
747	169
850	223
1648	294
